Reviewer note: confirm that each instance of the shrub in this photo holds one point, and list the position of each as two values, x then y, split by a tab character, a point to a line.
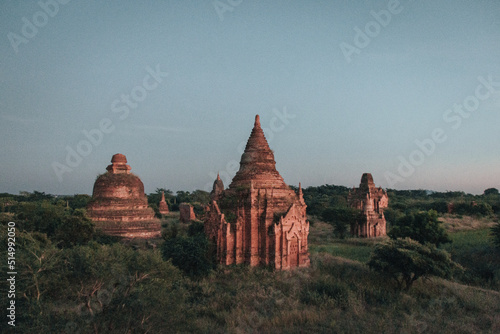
191	254
406	260
196	228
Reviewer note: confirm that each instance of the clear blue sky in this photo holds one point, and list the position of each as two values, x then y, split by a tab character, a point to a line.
230	60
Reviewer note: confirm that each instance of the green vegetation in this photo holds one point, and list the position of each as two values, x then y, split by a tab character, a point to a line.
97	284
474	250
495	233
341	219
197	198
423	227
406	260
323	197
190	253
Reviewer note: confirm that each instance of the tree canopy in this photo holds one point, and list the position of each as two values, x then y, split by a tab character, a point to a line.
341	218
406	260
422	226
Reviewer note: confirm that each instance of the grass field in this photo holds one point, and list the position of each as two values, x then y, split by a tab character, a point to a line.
321	240
352	250
469	239
472	248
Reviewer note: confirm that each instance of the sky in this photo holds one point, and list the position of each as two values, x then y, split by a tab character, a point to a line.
406	90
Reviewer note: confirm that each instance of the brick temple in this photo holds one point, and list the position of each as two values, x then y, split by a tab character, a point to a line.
258	220
371	201
119	206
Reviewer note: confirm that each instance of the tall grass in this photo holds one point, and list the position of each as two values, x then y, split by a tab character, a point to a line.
321	240
474	250
335	295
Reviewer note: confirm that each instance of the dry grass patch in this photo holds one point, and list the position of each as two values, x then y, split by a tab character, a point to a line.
454	223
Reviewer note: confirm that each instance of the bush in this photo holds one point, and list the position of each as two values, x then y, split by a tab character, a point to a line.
423	227
196	228
406	260
191	254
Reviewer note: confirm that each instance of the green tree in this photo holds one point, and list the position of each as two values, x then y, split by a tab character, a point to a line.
41	216
491	191
74	230
78	201
422	226
341	219
200	196
406	260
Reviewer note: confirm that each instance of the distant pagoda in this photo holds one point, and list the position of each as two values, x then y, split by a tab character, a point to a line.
162	206
258	220
119	206
371	201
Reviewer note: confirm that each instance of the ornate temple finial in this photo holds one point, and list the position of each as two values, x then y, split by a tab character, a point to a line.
162	195
218	177
118	164
257	121
301	194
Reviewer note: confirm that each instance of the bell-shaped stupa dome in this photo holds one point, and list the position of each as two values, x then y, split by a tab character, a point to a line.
119	205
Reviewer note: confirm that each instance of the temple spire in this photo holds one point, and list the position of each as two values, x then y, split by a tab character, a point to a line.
257	163
301	195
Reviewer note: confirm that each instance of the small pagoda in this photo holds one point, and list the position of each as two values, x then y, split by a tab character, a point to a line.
163	206
119	206
371	201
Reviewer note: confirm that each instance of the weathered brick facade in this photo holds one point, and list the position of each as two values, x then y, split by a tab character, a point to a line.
258	220
371	201
119	206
